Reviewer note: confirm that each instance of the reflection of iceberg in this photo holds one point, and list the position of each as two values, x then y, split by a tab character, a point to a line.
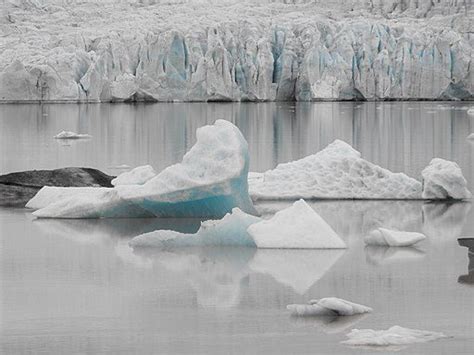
215	274
379	255
329	324
469	278
444	221
298	269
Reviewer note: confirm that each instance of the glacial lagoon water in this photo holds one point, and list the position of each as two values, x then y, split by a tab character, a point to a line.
74	286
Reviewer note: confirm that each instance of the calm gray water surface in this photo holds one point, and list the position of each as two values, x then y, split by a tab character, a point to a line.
74	286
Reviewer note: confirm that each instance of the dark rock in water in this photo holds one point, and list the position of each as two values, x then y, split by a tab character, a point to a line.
16	189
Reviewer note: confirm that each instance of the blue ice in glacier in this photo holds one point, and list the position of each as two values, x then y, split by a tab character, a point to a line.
229	231
209	182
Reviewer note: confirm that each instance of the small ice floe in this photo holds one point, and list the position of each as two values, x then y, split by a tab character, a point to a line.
295	227
395	335
471	111
393	238
471	137
136	176
71	135
330	306
443	179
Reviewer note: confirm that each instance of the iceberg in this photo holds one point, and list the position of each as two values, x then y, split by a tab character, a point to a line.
136	176
395	335
295	227
209	182
470	111
327	307
71	135
470	137
336	172
229	231
443	179
197	50
393	238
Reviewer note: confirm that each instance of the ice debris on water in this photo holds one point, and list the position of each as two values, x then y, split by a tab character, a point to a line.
71	135
330	306
393	238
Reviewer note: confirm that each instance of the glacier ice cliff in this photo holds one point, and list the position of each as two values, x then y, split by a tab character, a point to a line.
198	50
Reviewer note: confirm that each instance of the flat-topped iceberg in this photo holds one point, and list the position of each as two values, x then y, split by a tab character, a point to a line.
295	227
336	172
443	179
395	335
330	306
71	135
393	238
136	176
209	182
229	231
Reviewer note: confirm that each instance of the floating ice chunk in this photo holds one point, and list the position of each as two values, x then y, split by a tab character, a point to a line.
443	179
471	137
209	182
136	176
71	135
470	111
392	238
295	227
86	203
395	335
336	172
229	231
328	306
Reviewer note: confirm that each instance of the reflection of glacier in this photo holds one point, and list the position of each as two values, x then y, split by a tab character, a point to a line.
379	255
298	269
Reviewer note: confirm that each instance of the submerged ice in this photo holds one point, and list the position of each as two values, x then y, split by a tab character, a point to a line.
232	51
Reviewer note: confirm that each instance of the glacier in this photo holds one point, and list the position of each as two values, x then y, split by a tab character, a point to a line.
295	227
209	182
198	50
330	306
336	172
393	238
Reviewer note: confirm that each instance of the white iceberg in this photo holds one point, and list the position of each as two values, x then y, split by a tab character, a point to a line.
443	179
229	231
327	307
395	335
470	111
295	227
470	137
336	172
393	238
210	182
136	176
71	135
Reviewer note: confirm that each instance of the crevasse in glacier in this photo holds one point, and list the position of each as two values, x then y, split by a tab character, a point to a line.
231	51
209	182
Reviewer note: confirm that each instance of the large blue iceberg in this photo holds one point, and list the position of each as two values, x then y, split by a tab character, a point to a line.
209	182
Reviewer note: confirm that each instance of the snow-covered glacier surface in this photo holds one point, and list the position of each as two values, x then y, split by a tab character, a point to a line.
209	182
199	50
337	171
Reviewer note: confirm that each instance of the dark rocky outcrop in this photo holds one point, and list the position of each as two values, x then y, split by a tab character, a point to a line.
16	189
